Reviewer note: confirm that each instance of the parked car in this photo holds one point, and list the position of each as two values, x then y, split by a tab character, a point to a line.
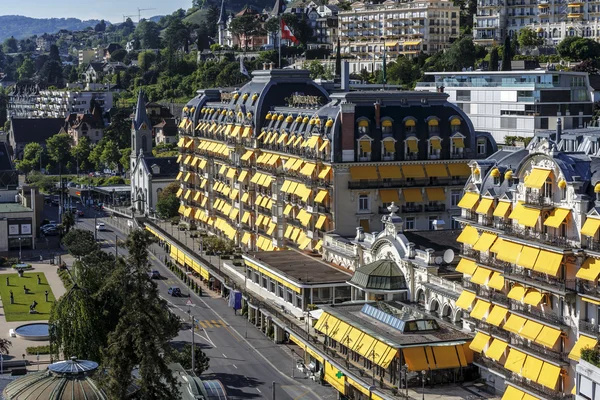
80	213
50	232
174	291
48	226
155	275
100	226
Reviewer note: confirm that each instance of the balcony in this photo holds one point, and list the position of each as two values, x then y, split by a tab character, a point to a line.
412	209
537	314
399	183
435	207
541	280
536	388
538	201
543	352
589	327
588	288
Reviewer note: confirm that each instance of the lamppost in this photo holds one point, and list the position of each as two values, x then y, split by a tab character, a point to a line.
373	366
20	248
423	373
326	341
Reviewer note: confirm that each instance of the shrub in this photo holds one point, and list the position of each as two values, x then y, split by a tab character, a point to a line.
34	350
591	355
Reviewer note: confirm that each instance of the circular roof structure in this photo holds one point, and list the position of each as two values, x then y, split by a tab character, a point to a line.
63	380
381	275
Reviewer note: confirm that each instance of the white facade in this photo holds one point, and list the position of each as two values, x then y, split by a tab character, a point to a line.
59	104
517	103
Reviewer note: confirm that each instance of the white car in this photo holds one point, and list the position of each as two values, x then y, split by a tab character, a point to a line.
100	226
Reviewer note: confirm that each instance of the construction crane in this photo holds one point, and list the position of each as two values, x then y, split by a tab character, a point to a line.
127	16
140	12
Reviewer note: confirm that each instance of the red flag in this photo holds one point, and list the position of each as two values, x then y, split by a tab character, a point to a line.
286	32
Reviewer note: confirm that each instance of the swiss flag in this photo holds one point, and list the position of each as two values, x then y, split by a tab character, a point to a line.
286	32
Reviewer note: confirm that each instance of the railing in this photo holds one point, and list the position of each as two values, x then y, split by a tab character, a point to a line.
412	209
519	342
538	389
444	283
435	207
538	200
589	327
492	365
537	314
589	289
541	279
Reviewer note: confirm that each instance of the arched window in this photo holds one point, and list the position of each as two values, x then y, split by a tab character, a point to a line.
389	149
435	147
547	190
433	125
410	126
455	125
386	126
412	148
363	126
144	144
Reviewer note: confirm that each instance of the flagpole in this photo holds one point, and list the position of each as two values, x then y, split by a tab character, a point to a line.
280	37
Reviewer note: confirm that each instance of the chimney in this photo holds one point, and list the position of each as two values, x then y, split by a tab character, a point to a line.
377	114
360	234
558	130
345	77
348	132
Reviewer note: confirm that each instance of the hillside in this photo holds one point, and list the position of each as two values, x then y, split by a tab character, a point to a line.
232	6
21	27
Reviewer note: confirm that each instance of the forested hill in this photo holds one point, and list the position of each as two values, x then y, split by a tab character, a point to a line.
22	27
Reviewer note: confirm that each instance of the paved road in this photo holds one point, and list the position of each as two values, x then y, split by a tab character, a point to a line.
240	355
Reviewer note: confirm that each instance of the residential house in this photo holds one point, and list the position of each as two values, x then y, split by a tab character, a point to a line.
87	56
94	72
165	131
29	130
44	42
89	124
109	50
323	20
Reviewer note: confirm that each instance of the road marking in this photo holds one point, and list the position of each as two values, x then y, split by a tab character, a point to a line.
258	390
301	396
224	355
234	366
207	338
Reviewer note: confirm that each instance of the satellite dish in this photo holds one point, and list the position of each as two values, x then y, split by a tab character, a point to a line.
438	260
449	256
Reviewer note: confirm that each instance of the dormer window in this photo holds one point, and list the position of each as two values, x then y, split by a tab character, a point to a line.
410	126
389	149
435	147
411	148
433	126
457	144
364	149
455	125
386	126
363	126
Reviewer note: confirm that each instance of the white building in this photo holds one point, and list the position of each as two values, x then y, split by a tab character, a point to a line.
60	103
517	103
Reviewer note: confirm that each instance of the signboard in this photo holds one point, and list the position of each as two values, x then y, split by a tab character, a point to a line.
189	302
26	229
13	229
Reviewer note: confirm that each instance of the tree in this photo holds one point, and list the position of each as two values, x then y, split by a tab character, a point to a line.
26	69
462	54
11	45
118	55
529	38
245	27
167	206
111	155
338	59
54	54
51	72
146	59
119	129
578	48
68	221
4	345
143	331
318	70
58	147
81	152
148	33
404	72
100	26
493	65
506	55
80	242
124	160
33	152
184	357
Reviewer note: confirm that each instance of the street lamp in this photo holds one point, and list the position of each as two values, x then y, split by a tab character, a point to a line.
423	373
20	248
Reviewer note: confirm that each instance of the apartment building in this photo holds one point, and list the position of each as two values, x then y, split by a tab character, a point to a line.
61	103
403	28
530	262
551	19
324	22
517	103
270	168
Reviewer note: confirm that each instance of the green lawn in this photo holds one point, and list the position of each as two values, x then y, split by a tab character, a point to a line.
19	311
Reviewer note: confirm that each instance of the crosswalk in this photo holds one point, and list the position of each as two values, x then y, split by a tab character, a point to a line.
212	323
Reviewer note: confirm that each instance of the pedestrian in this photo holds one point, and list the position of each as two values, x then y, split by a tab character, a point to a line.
25	289
39	279
41	258
46	294
7	281
12	297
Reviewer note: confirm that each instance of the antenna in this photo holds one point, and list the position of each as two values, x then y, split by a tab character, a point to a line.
140	12
448	256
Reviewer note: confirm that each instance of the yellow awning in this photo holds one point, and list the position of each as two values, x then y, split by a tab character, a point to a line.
468	235
435	194
321	196
389	196
179	158
282	138
589	270
496	281
531	368
413	171
391	44
236	130
583	342
465	299
247	132
481	309
246	156
390	172
445	357
466	266
517	292
529	216
484	206
436	170
548	336
389	146
496	349
548	262
469	200
324	172
458	142
501	209
242	176
459	169
510	251
412	195
363	173
481	276
308	169
413	43
485	241
533	297
531	330
415	358
187	160
436	144
512	393
549	375
591	301
514	323
557	217
528	256
497	315
590	227
537	178
320	222
479	342
313	141
514	361
178	194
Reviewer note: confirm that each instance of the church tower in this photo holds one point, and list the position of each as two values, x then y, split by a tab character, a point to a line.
222	26
141	131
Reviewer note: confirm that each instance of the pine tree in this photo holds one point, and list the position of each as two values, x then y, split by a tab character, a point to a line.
338	60
493	65
506	55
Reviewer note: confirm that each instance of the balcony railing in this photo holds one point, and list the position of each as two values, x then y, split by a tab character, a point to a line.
541	279
398	183
543	352
537	314
588	288
412	209
589	327
537	200
538	389
435	207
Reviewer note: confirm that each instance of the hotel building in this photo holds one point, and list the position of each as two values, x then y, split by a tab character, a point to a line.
280	161
531	261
